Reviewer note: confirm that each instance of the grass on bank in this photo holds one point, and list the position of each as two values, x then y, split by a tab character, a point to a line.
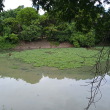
62	58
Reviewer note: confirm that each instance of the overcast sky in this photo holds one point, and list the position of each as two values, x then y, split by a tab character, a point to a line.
12	4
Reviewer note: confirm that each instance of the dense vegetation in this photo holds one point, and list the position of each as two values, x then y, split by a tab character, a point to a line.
27	25
62	58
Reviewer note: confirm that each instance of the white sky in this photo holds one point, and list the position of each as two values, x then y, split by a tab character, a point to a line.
12	4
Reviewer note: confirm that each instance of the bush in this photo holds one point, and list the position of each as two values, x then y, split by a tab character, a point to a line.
12	23
2	39
13	38
26	15
31	32
76	44
6	45
1	25
61	36
62	26
84	40
6	31
60	33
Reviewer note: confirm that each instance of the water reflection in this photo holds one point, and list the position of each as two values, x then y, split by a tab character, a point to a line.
32	74
43	88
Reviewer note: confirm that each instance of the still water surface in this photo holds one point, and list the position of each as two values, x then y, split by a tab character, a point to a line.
44	88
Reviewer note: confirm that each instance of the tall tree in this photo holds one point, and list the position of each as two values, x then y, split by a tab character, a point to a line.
1	5
70	8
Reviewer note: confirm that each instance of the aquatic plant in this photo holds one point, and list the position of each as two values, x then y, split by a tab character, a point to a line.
62	58
14	67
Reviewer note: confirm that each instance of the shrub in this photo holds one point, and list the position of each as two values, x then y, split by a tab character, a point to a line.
62	26
12	23
31	32
84	40
2	39
6	45
76	44
61	36
59	33
6	31
13	38
1	25
26	15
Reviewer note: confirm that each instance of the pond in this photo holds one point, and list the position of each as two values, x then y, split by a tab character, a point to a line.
24	87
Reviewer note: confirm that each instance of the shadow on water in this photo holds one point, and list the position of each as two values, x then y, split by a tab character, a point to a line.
24	87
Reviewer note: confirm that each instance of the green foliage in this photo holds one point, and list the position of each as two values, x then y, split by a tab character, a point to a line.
1	5
11	38
46	22
26	15
14	67
4	44
49	20
14	38
6	31
62	58
59	33
12	23
11	12
61	36
76	44
83	40
44	19
54	43
69	9
46	28
31	32
1	25
8	21
62	26
102	27
2	39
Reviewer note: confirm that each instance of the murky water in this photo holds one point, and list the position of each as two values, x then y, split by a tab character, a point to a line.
24	87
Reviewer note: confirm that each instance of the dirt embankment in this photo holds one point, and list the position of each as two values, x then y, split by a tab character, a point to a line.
41	43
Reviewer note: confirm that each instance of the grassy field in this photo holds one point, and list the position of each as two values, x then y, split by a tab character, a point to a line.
62	58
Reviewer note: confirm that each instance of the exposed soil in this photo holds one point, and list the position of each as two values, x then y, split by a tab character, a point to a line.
41	43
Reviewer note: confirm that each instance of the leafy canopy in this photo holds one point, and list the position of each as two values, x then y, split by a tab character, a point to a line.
71	8
26	15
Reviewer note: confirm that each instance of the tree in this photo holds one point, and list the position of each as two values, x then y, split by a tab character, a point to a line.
12	23
11	12
70	8
26	15
102	27
1	5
